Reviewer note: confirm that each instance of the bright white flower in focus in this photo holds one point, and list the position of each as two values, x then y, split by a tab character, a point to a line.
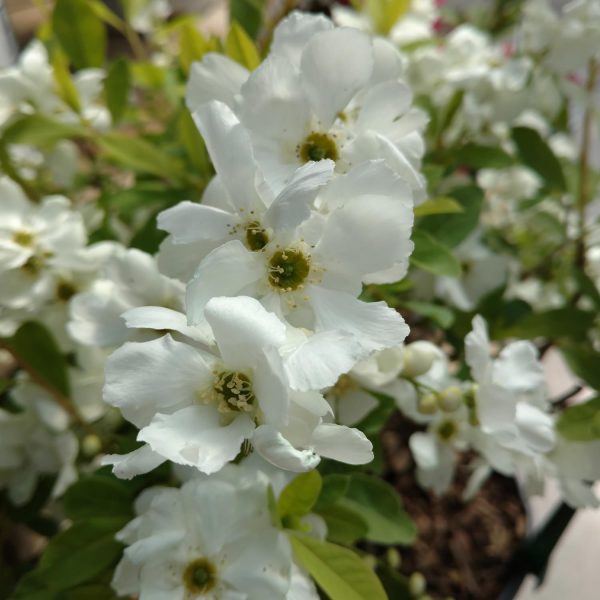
195	405
209	539
322	93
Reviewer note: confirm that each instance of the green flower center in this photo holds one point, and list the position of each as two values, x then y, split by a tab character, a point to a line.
234	391
256	236
318	146
65	290
200	576
288	269
24	238
447	429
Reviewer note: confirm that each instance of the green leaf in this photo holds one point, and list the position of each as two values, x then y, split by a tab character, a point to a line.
584	362
452	229
39	130
338	571
442	315
385	13
379	505
557	323
35	348
98	496
80	32
192	46
432	256
148	238
116	89
241	48
436	206
581	423
333	487
72	558
140	155
344	525
65	87
94	591
478	156
537	155
193	143
249	14
299	495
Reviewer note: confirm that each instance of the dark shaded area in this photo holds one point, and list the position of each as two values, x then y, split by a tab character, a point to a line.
462	549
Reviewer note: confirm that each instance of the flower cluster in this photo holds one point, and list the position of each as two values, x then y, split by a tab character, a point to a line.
232	269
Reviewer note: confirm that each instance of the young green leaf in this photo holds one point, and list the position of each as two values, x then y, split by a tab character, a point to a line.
479	156
39	130
339	572
249	14
344	525
241	48
192	46
299	495
436	206
64	83
98	496
80	32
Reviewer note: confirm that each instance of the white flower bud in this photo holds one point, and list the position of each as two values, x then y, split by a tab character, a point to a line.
451	398
418	358
428	404
417	584
91	445
393	558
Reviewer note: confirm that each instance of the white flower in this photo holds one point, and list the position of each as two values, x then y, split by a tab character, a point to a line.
129	279
209	539
144	15
35	442
194	405
41	245
323	93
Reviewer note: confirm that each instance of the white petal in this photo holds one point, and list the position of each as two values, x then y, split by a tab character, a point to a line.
366	235
383	105
230	150
152	375
140	461
518	368
341	443
243	328
536	427
353	406
274	448
293	32
375	325
271	388
165	319
226	271
495	407
477	350
334	66
321	359
190	222
292	206
216	77
194	436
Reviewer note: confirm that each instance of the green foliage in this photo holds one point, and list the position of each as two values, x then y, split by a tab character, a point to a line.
140	155
452	229
433	256
442	315
240	47
73	557
192	46
338	571
436	206
479	156
385	13
98	496
344	525
249	14
40	130
554	324
581	423
298	497
35	349
80	32
116	88
192	142
65	87
584	361
537	155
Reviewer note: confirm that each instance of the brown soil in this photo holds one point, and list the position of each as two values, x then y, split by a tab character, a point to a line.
462	549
